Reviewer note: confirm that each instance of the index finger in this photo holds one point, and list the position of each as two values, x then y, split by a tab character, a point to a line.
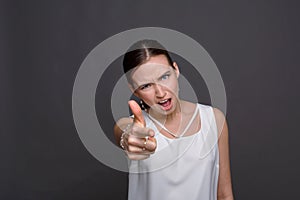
142	132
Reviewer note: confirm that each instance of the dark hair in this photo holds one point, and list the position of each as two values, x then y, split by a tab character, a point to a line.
141	51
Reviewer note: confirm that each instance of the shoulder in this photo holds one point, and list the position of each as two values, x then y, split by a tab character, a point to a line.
219	115
212	110
221	125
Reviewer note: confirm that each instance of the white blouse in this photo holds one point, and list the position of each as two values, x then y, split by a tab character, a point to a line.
183	168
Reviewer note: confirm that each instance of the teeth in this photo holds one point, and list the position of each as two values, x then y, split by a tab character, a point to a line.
163	101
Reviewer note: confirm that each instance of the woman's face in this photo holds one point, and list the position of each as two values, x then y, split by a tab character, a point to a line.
155	82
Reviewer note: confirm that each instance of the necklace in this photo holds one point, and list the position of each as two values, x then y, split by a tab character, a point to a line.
170	132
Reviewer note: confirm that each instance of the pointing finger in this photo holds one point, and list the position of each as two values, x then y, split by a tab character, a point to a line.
137	112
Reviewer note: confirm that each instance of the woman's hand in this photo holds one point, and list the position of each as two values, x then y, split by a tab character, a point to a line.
136	139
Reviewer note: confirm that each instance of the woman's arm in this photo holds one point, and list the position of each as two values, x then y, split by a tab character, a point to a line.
138	141
224	184
120	126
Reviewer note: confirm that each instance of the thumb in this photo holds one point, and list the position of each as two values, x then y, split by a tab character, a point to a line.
137	112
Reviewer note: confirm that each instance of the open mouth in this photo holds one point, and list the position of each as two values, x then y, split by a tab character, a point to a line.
166	104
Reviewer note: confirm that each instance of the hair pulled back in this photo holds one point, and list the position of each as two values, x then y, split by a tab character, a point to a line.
141	51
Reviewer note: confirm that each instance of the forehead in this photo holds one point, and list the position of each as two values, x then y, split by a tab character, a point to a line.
151	70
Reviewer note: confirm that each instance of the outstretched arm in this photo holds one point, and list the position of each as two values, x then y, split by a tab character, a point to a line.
138	141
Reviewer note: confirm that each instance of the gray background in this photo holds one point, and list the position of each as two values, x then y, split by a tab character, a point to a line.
255	44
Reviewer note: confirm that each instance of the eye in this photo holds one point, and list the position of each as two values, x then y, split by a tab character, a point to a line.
143	87
165	77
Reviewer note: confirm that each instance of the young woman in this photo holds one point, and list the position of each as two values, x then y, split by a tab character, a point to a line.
166	141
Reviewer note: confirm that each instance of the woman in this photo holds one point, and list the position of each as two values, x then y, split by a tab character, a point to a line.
164	141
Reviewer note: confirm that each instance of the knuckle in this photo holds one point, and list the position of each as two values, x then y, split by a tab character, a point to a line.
153	145
130	140
134	129
130	149
149	131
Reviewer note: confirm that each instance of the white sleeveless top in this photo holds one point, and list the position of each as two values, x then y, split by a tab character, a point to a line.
183	168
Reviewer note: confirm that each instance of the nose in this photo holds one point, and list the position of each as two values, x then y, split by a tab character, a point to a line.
159	91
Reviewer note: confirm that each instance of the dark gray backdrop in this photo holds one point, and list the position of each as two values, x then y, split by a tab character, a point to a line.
255	44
